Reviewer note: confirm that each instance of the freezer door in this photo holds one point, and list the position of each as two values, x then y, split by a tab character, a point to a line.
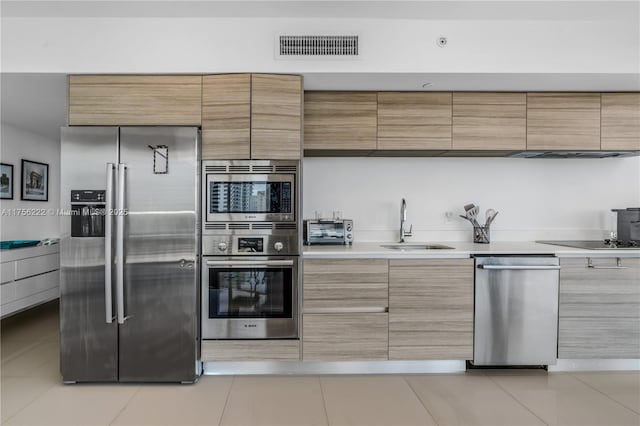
516	311
159	335
88	343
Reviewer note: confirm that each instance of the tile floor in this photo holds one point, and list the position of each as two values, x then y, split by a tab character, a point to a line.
31	394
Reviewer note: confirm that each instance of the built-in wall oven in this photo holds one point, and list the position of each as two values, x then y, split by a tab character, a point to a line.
250	248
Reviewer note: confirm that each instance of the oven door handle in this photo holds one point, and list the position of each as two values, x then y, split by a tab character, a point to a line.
249	263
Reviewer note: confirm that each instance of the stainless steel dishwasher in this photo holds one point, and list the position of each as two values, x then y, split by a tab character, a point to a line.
516	310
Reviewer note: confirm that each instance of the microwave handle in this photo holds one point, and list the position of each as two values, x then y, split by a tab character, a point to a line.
249	263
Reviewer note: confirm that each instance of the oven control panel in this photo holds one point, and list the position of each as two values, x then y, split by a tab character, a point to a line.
249	245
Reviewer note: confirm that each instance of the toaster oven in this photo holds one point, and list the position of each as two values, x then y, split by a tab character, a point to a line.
318	231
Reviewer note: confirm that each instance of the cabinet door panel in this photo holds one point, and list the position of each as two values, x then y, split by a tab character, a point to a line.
226	116
276	116
340	120
431	309
135	100
414	120
489	121
563	121
347	283
621	121
345	337
251	350
599	310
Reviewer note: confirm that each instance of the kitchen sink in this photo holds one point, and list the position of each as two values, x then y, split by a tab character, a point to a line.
403	247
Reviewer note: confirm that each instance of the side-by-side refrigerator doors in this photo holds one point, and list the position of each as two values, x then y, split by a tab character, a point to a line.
88	330
158	334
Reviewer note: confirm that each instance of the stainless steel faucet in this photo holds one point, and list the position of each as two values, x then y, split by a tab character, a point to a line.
403	221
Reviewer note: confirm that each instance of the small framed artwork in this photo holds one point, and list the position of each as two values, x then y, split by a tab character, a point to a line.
6	181
35	181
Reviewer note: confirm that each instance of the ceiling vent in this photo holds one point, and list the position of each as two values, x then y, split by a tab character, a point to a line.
295	46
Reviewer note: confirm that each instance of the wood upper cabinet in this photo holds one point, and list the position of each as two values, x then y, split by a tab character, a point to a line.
599	309
276	116
620	121
135	100
414	120
226	117
563	121
340	120
489	121
431	309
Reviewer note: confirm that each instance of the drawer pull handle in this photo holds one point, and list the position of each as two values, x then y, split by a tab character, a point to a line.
618	265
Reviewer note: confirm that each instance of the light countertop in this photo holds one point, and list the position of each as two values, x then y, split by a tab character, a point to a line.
460	250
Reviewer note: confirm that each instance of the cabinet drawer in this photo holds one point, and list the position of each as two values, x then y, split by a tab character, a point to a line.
250	350
347	283
599	293
7	272
37	265
32	285
587	338
7	292
345	337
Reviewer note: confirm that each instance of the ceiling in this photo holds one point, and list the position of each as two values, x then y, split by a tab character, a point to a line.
364	9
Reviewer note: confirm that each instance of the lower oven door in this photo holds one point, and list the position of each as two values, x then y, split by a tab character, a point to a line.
249	298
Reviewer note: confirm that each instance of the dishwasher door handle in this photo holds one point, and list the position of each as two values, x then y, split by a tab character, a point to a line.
519	267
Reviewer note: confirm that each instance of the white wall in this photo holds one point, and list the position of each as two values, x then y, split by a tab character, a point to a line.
536	198
16	144
179	45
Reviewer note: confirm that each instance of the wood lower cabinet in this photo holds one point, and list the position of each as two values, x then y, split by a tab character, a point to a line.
563	121
276	117
344	309
250	350
226	117
599	309
620	121
345	336
489	121
414	120
340	121
345	283
431	309
135	100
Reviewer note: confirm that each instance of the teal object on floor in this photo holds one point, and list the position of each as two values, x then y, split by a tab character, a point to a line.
5	245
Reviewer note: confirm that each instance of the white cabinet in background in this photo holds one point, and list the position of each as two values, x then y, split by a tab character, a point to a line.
29	277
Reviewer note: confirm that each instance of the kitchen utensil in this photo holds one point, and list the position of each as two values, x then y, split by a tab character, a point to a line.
490	220
472	214
488	214
468	207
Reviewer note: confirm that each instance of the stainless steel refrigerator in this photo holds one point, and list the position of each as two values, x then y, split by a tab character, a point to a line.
129	302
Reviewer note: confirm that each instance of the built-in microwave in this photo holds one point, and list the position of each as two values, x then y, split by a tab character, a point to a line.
249	191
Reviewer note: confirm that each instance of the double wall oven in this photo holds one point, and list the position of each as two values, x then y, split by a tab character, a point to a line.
250	249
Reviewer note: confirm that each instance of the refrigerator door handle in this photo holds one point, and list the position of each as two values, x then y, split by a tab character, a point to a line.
108	236
120	243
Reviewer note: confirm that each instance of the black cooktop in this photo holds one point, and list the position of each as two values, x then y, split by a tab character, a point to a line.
596	244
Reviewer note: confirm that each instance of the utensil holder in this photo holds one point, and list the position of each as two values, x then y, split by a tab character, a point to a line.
481	235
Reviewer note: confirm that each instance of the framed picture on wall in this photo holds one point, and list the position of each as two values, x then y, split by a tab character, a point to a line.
6	181
35	181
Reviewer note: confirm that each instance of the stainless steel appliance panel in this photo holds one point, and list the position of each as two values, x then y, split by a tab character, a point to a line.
242	276
283	243
159	339
88	342
516	311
